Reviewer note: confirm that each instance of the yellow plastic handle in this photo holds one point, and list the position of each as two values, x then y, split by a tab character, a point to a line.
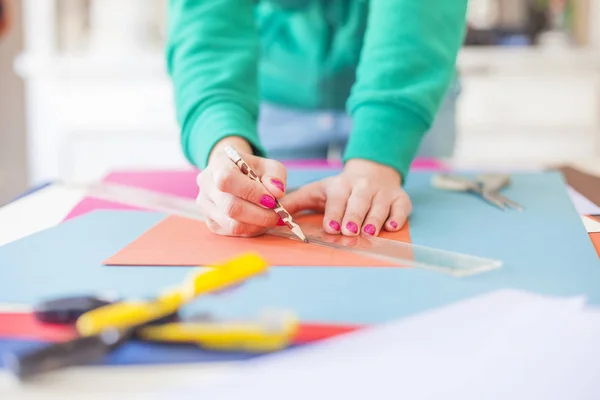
122	316
129	313
230	274
253	337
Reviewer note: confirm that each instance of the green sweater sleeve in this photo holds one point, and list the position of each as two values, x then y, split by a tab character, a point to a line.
406	66
212	57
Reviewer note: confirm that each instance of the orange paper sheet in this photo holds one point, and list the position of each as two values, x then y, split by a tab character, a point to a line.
178	241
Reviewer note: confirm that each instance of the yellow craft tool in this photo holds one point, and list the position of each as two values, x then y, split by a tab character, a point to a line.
231	274
122	315
267	334
132	314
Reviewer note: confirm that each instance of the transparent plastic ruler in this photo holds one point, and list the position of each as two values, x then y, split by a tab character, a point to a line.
404	254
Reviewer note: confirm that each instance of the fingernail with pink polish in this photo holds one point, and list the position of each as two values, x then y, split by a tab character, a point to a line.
334	225
352	227
393	224
267	201
278	184
280	222
369	229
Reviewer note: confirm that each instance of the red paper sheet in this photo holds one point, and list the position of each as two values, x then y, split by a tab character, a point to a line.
178	241
309	333
24	326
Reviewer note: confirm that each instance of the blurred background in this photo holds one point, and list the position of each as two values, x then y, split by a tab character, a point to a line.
83	88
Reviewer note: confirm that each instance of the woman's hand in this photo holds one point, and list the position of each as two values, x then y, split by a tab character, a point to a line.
365	197
233	204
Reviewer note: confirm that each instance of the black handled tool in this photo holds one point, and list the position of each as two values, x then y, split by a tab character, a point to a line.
66	310
79	351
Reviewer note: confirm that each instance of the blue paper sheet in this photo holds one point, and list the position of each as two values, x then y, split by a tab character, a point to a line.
545	249
138	353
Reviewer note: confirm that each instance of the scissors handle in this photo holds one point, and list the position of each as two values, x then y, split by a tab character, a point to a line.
486	186
493	182
454	183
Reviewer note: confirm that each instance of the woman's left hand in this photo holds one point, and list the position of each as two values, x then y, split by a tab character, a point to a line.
365	197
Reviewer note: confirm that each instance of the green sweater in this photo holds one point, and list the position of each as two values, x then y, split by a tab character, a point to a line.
389	63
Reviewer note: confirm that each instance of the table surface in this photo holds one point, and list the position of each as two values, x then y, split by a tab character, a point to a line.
48	207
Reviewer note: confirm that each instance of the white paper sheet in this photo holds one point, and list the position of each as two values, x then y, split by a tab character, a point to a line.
504	345
582	204
591	225
38	211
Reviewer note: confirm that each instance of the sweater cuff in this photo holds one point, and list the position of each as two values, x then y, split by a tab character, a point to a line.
216	123
387	135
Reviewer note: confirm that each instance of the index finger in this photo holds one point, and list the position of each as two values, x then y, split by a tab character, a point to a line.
229	179
271	173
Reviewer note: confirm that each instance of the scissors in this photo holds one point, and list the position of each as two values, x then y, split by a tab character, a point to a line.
486	186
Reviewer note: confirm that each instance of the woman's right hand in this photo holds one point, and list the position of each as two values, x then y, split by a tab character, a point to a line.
232	203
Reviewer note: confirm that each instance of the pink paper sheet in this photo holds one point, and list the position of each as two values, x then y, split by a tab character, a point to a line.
183	182
177	183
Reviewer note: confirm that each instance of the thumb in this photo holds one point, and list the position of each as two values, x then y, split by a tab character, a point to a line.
273	176
308	198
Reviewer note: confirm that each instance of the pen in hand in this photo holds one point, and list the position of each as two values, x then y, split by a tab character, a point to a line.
249	172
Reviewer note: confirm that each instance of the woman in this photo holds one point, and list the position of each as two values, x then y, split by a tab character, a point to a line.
275	78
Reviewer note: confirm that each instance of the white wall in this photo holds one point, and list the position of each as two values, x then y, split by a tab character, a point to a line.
595	23
13	174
